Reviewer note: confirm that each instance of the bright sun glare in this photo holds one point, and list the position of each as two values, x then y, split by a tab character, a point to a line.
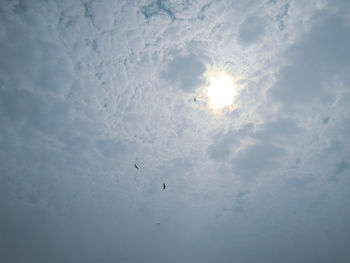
221	91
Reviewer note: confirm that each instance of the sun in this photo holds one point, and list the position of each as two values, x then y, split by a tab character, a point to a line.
221	90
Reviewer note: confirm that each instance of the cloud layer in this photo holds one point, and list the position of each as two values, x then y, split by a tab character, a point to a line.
89	89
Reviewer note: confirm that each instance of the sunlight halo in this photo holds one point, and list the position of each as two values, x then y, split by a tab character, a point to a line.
221	90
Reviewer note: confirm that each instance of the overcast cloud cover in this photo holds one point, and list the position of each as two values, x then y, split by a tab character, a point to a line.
89	88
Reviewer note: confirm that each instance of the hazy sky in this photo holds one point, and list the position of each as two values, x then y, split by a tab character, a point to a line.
90	88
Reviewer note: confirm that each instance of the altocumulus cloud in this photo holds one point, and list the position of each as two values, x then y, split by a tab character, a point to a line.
90	88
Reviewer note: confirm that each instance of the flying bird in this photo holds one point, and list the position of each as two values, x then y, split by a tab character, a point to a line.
136	166
164	186
195	99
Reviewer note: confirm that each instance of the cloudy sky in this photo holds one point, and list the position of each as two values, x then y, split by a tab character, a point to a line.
89	88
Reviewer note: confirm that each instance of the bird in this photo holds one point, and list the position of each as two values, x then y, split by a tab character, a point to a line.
164	186
195	99
136	166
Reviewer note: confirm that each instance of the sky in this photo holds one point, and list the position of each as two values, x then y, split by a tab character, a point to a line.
89	89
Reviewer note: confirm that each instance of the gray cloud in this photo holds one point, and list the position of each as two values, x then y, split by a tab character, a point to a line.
256	160
88	89
315	62
185	71
279	131
251	30
221	150
223	145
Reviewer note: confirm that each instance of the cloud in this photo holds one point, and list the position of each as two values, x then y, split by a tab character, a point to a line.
256	160
314	62
114	149
251	30
157	8
88	89
185	71
279	131
220	151
224	144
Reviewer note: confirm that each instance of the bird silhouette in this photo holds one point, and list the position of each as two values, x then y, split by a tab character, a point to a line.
164	186
195	99
136	166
